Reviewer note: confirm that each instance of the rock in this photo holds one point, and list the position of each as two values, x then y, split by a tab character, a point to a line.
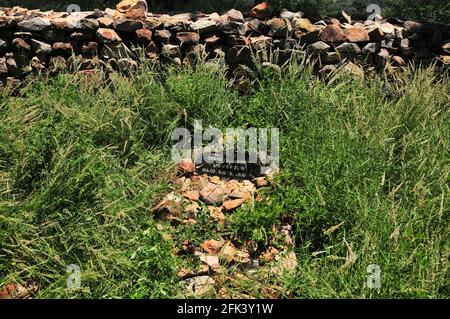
346	17
212	246
3	68
90	49
107	36
286	14
127	25
200	285
417	27
88	24
445	59
356	35
261	11
278	27
153	23
171	51
162	36
352	70
152	51
237	40
138	11
186	166
3	45
446	47
34	24
57	64
40	48
235	15
231	27
305	30
327	69
62	48
371	48
331	57
125	5
332	34
21	44
348	49
212	194
64	23
115	50
398	61
318	48
203	26
257	26
143	35
96	14
239	54
232	204
188	37
405	43
261	42
105	22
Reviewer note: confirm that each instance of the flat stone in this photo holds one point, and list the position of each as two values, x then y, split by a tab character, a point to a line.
231	27
127	25
203	26
34	24
107	36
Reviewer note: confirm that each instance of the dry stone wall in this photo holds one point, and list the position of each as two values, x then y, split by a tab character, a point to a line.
33	41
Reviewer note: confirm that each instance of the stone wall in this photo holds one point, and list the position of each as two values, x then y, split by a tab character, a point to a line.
33	41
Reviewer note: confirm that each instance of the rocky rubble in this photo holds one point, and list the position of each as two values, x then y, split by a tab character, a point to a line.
217	263
31	40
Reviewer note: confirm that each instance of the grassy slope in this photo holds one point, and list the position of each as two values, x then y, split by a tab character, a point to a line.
82	164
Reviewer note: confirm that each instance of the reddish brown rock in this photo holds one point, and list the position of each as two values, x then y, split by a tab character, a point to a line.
21	44
186	166
143	35
232	204
356	35
331	34
107	36
261	11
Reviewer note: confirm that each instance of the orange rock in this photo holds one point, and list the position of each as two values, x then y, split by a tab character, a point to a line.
186	165
192	195
232	204
144	35
212	246
261	11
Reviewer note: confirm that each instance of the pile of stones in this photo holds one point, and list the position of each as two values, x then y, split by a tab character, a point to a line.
33	41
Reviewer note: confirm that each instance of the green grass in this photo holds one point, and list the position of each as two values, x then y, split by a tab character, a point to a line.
82	163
